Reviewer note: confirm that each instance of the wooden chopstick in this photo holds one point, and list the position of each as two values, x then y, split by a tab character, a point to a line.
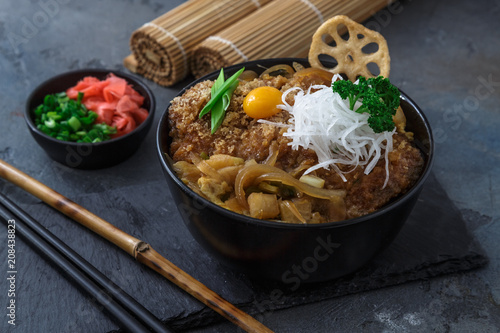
139	249
130	314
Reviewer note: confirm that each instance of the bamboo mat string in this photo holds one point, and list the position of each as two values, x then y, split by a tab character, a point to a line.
315	9
227	42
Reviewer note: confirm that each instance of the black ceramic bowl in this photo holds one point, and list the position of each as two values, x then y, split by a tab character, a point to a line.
89	155
293	253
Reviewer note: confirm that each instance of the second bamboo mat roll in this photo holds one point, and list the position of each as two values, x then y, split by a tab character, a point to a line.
161	48
283	28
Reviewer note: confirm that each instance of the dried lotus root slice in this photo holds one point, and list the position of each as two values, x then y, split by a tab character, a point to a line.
352	60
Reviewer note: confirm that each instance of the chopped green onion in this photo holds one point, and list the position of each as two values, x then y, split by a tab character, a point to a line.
66	119
74	123
51	123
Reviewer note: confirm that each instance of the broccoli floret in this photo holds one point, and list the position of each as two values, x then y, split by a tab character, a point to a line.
378	97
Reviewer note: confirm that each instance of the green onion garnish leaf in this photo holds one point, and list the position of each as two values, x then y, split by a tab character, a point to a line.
220	97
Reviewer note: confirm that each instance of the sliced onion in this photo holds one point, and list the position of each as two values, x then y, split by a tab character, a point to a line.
293	209
282	69
297	66
254	174
205	168
312	191
248	75
273	154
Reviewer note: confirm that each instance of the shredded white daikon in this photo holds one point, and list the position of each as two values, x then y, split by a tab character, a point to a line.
322	121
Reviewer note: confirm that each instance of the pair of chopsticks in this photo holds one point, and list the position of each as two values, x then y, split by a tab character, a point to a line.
131	315
139	249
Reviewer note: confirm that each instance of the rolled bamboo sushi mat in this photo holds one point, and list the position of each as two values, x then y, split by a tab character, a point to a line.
161	48
283	28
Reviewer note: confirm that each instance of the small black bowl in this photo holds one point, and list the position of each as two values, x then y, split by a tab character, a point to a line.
293	253
89	155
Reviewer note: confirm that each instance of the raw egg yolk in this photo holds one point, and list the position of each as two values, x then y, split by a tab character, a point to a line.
262	102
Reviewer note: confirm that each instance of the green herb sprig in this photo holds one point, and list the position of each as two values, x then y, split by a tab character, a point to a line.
378	96
221	93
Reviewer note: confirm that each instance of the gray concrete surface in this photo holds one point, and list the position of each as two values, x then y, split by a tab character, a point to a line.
445	54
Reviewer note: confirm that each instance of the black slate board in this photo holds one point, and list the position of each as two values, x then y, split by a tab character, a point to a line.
434	241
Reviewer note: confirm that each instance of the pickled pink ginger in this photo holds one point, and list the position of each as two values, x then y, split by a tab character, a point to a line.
114	100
